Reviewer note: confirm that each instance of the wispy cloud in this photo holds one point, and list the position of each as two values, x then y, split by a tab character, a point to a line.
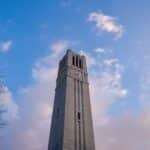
100	50
126	132
8	108
58	47
110	61
31	130
46	68
44	73
106	23
106	88
37	98
5	46
90	59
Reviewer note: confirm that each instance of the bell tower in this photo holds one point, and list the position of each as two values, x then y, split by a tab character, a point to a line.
71	126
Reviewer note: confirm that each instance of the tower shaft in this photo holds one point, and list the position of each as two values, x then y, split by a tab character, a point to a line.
71	126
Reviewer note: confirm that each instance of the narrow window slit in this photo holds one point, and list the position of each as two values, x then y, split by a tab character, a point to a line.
77	61
79	117
73	60
80	63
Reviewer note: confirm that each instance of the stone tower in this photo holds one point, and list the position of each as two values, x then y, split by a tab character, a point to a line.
71	126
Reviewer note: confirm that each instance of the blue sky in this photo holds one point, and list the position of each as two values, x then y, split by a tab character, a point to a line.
113	35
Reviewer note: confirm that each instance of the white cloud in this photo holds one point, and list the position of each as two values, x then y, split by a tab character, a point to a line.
31	130
123	92
8	110
106	23
36	103
7	102
105	85
110	61
5	46
58	47
42	73
126	132
46	68
90	59
38	99
106	89
100	50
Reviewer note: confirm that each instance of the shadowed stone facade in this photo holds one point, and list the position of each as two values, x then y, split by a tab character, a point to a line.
71	127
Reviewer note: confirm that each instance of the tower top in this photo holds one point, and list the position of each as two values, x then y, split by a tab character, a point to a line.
73	59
